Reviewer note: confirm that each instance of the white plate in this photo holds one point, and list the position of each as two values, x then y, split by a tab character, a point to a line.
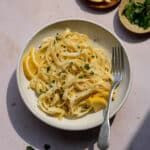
106	40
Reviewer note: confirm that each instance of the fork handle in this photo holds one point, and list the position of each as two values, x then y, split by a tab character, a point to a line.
104	135
103	139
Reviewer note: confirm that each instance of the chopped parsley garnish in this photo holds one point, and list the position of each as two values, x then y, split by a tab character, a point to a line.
71	63
86	66
78	46
29	148
138	13
41	90
93	56
58	37
80	77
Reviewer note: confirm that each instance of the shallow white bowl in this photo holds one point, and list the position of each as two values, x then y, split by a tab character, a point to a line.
106	40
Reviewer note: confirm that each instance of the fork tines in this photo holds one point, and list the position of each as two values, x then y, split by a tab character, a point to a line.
117	59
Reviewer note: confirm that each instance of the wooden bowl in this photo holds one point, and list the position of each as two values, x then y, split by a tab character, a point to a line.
126	23
102	5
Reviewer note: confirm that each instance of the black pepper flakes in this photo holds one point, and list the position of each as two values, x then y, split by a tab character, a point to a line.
86	66
53	81
80	77
92	73
48	68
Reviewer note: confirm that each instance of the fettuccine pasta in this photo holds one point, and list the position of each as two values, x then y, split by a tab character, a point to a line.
70	76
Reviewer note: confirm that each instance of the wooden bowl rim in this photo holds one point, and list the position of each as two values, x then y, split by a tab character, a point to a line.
126	23
98	5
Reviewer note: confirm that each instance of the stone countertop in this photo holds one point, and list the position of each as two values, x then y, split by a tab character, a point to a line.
20	19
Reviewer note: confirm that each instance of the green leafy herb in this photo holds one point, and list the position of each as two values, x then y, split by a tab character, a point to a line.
138	13
29	148
86	66
147	2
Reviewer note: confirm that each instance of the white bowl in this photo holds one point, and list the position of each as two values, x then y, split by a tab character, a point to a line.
106	40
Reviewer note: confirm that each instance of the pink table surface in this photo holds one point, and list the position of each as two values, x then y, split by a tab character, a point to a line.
19	20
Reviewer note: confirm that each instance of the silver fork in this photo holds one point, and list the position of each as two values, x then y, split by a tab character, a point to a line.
117	71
